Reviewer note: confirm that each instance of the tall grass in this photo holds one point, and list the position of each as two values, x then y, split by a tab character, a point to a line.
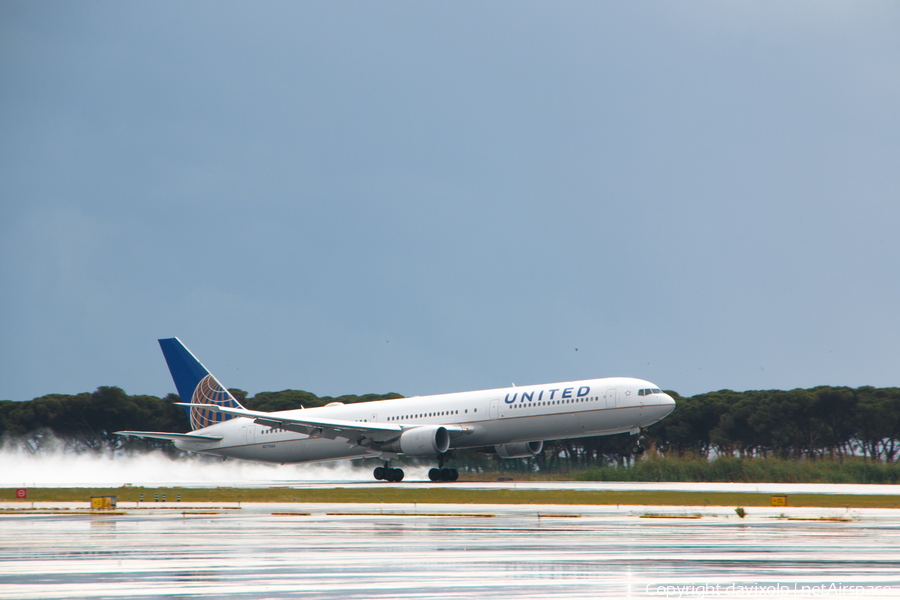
750	470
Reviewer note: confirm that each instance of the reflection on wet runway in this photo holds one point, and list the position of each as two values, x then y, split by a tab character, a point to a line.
601	553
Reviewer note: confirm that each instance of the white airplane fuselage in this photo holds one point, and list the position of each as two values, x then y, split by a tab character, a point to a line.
488	417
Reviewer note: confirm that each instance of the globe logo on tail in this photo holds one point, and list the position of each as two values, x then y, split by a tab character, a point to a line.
210	391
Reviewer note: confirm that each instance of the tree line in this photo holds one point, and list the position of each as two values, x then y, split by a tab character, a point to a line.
808	424
811	423
87	420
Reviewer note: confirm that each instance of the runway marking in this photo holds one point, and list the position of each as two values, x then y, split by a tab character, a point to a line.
836	519
402	514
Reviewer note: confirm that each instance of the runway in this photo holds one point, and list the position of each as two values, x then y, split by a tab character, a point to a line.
447	551
621	486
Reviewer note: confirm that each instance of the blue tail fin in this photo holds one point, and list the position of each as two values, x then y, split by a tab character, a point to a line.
196	385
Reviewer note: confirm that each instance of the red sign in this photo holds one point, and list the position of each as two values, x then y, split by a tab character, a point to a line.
21	494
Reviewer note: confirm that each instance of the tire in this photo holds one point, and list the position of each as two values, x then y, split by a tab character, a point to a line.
446	474
379	473
398	474
434	474
455	475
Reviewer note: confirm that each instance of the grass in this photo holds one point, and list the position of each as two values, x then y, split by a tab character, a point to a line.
448	495
748	470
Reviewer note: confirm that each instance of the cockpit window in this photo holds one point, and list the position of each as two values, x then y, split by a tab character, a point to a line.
641	392
657	391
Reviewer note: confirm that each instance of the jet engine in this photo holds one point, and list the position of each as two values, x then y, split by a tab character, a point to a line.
428	440
519	449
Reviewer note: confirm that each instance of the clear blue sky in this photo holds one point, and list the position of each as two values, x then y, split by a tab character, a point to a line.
432	197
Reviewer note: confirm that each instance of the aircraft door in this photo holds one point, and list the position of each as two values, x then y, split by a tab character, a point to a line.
249	433
611	398
495	409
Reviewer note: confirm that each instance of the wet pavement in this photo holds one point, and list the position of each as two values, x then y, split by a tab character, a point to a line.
446	551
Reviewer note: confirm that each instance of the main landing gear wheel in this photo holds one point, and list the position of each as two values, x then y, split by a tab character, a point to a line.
388	474
443	474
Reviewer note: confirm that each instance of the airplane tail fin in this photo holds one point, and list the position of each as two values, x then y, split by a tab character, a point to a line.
196	385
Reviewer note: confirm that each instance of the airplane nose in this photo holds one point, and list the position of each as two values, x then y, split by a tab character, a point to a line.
667	403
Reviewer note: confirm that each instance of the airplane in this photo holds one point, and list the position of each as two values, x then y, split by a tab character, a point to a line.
511	422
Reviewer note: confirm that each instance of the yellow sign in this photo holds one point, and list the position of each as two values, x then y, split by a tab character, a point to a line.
779	500
103	502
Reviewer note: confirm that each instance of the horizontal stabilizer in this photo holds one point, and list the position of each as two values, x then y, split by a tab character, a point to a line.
172	437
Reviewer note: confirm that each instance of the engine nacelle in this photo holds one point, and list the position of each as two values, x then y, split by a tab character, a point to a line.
428	440
519	449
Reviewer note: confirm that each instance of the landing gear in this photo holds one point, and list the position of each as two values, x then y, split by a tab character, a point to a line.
638	448
442	473
386	473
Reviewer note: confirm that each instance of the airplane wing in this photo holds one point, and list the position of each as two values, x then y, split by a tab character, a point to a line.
355	431
313	427
172	437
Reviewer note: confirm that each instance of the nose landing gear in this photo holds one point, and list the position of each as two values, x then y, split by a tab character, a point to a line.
638	447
